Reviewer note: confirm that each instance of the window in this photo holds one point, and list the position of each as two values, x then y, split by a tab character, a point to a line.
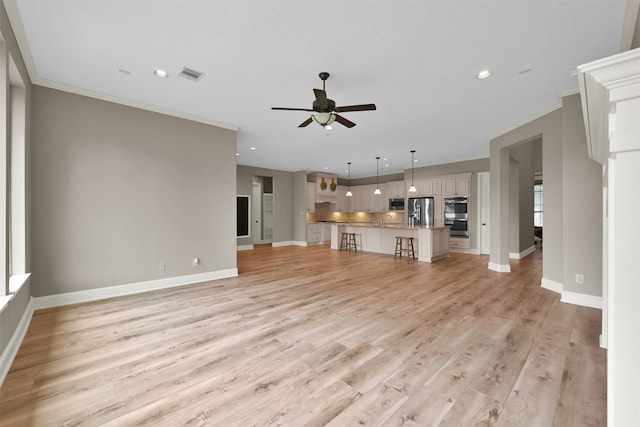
13	171
537	205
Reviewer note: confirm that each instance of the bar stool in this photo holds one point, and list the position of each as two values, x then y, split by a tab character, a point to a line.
408	248
348	242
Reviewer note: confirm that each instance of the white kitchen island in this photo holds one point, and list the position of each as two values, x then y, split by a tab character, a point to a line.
429	243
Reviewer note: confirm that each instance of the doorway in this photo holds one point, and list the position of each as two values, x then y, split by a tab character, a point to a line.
262	210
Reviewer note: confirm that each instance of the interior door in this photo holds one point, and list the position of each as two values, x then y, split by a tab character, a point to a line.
267	210
483	193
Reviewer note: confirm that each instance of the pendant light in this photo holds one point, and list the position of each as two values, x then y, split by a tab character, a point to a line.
412	189
377	191
349	193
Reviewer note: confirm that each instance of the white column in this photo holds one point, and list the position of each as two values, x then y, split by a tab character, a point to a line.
610	90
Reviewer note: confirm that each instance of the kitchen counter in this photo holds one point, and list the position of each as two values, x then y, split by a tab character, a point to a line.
429	243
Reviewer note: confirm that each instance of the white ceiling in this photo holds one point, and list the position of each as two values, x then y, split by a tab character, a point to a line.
416	60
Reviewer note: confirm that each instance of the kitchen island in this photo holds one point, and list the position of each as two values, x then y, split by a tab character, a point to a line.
429	243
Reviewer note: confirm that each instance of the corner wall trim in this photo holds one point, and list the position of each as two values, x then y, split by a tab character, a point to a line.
531	249
504	268
129	289
551	285
10	351
581	299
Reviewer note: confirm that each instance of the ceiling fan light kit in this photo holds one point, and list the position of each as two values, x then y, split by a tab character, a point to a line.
324	119
324	109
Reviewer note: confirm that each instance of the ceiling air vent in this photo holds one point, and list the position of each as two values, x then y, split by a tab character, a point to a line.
190	74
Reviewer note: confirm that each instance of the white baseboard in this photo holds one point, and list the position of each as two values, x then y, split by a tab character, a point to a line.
603	339
289	243
581	299
129	289
551	285
10	351
505	268
531	249
244	247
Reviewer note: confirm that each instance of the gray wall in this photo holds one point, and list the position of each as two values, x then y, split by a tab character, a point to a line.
582	204
572	197
478	165
284	221
548	128
117	190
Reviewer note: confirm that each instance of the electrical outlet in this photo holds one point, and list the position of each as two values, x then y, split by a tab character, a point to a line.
162	266
580	279
196	261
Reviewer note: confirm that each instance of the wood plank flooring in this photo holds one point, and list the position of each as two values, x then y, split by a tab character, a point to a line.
312	336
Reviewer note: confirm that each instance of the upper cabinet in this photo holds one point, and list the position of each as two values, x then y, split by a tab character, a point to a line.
343	203
424	188
311	196
457	185
396	189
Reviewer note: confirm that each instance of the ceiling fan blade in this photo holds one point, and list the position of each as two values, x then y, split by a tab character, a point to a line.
344	121
305	123
291	109
363	107
320	94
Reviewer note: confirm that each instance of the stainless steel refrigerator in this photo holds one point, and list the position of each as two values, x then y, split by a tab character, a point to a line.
420	211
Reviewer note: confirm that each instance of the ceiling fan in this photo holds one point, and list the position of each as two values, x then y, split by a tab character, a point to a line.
324	109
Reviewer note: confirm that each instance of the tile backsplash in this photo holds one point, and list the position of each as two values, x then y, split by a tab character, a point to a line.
323	213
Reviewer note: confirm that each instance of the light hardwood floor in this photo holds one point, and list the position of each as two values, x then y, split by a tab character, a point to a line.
313	336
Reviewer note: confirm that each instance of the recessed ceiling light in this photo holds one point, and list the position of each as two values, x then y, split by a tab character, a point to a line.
483	74
253	148
161	73
326	168
387	165
415	161
237	154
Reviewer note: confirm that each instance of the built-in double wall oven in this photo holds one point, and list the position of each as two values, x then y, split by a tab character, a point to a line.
456	216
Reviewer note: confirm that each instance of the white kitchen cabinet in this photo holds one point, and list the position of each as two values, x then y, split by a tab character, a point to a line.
437	187
380	202
456	185
366	201
423	186
314	233
356	199
459	243
311	196
325	233
433	244
438	211
396	189
426	187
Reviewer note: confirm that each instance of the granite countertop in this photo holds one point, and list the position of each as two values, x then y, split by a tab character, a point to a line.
373	225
